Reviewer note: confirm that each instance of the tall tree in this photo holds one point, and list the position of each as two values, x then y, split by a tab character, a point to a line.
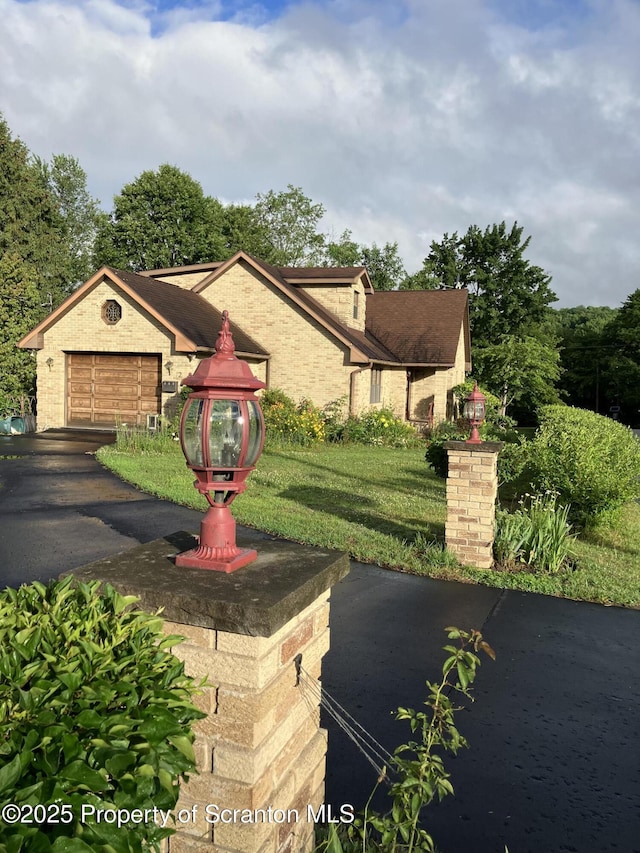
20	310
242	231
383	263
507	295
622	371
162	219
289	220
30	221
585	352
79	215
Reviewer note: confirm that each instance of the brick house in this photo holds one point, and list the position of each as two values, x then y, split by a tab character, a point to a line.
117	348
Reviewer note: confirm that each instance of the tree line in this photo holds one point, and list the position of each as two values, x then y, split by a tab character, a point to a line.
54	235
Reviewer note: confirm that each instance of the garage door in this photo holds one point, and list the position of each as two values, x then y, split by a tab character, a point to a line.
104	390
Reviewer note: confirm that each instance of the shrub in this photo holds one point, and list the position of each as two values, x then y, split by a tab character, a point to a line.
537	536
289	423
511	459
592	462
380	427
95	712
436	455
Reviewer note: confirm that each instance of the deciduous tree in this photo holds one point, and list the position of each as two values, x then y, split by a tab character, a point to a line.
161	219
507	294
289	221
517	369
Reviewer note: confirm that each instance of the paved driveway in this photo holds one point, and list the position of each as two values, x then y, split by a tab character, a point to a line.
554	758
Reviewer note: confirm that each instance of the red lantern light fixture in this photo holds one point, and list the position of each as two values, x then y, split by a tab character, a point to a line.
474	411
222	434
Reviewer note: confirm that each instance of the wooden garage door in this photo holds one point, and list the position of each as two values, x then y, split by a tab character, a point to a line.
105	389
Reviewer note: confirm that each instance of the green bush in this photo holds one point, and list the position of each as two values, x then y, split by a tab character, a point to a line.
95	713
537	536
382	428
591	462
289	423
511	459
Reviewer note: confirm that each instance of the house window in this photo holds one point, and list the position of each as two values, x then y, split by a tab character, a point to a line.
356	301
376	384
111	312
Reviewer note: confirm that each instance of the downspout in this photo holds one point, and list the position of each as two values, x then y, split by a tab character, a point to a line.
352	377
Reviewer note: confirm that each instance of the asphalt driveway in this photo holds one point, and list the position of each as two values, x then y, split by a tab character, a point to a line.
554	758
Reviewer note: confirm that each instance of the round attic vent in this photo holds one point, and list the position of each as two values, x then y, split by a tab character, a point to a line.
111	312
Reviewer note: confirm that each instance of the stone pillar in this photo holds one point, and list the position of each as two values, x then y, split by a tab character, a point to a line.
260	749
472	489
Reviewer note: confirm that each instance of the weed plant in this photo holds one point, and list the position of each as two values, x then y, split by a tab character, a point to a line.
417	767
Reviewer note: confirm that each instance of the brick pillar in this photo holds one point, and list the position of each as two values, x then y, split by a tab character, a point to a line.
260	750
472	489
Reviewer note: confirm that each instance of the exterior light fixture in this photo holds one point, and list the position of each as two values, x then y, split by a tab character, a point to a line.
222	434
474	411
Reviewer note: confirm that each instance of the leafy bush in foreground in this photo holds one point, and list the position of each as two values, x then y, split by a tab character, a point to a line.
591	462
94	713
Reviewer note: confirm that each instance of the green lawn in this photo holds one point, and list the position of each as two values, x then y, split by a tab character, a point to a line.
383	506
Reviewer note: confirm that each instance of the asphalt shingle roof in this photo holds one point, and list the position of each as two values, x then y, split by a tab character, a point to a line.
418	326
186	311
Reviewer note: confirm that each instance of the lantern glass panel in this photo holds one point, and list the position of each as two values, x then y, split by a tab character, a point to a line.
192	432
255	432
225	433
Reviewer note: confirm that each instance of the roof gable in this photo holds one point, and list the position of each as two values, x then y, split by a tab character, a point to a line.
190	318
421	327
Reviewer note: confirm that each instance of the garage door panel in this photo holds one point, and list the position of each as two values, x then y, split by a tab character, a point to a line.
105	389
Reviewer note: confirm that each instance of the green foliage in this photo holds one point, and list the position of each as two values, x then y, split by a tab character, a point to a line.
507	295
436	455
622	364
418	764
537	536
384	264
80	216
288	423
380	427
19	312
519	368
591	462
94	712
289	220
585	347
497	427
161	219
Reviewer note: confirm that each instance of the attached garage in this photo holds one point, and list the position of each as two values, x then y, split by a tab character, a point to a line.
105	389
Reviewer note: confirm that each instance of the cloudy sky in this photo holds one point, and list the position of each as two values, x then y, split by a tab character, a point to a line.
405	118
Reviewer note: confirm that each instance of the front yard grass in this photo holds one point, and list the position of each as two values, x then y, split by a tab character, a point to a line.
383	506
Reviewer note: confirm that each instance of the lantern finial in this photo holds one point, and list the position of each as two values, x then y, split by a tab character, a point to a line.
225	344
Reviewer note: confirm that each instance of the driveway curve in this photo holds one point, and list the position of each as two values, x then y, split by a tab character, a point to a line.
554	758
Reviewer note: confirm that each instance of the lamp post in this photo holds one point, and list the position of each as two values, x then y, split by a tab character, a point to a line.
222	434
474	412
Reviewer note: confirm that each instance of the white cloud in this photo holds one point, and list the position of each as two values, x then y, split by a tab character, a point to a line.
406	121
